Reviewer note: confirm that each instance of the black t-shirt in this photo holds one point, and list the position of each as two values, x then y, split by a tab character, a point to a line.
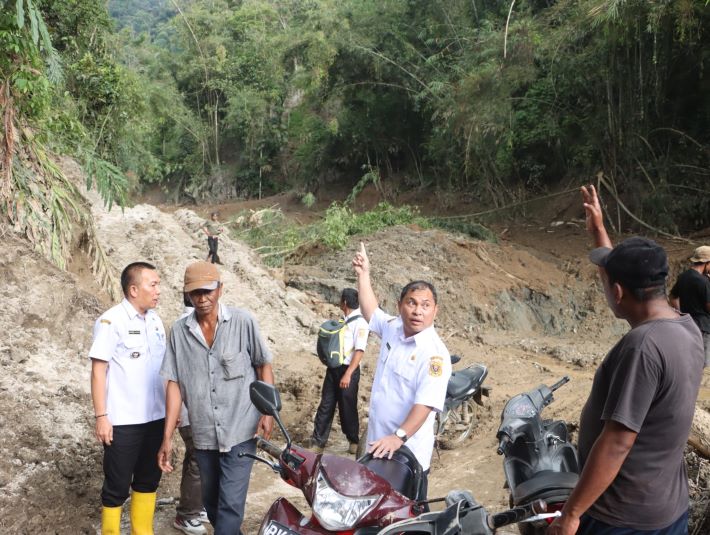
693	290
649	383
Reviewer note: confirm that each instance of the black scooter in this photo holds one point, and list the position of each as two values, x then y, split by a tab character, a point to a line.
458	419
540	461
463	516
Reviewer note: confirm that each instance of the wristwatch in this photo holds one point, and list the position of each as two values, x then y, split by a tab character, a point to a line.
401	434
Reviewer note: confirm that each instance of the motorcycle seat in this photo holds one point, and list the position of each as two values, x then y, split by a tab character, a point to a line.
545	485
403	472
463	381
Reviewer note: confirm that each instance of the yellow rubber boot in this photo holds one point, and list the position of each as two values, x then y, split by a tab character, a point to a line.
111	520
142	509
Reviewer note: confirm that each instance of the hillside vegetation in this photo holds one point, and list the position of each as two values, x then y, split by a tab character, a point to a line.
498	100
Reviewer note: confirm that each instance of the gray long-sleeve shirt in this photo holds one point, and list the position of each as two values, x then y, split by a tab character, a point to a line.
214	382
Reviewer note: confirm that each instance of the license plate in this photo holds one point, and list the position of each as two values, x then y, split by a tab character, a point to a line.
274	528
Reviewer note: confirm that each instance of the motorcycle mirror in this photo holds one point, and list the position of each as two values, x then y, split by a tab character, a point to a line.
265	398
454	359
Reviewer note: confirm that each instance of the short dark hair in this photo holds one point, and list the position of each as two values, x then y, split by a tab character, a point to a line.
186	300
350	297
418	285
130	274
642	294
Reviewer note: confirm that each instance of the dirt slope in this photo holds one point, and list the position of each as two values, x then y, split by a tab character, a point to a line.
530	313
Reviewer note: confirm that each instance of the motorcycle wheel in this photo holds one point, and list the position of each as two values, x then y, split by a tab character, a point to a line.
459	425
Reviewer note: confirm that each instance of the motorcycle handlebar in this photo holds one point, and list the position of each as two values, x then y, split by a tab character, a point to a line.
516	514
268	447
502	444
560	383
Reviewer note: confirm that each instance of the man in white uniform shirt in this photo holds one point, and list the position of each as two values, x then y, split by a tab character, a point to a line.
129	399
413	369
340	385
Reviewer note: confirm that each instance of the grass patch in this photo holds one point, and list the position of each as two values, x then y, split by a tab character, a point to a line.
275	238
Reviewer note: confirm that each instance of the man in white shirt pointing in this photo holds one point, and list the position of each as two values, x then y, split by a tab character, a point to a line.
413	369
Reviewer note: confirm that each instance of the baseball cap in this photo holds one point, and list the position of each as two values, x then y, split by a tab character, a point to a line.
701	254
634	263
201	276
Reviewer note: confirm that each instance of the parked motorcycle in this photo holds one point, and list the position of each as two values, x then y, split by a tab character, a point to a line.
540	461
459	418
345	496
464	516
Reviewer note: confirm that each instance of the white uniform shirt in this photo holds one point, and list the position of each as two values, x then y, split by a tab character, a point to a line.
413	370
355	336
133	345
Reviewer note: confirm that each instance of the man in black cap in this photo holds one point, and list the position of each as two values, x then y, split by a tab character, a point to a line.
635	424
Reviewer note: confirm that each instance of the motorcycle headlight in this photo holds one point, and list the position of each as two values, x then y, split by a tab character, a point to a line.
335	511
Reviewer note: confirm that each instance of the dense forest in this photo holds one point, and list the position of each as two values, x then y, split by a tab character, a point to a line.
498	100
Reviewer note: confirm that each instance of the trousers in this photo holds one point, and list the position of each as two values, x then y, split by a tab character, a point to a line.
225	481
346	401
190	504
131	461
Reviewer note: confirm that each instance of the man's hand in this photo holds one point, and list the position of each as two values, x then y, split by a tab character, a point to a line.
104	430
385	447
265	427
361	264
594	217
592	208
165	456
564	525
345	379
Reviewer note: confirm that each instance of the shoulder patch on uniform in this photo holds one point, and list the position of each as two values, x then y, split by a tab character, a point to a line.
104	320
436	366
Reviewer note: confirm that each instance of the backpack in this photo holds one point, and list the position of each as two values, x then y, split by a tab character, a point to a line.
330	341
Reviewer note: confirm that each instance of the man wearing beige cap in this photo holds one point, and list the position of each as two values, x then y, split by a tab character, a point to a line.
691	293
212	357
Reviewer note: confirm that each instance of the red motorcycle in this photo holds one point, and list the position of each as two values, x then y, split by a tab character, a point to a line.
346	496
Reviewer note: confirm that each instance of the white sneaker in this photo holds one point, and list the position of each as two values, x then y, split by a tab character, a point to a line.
191	526
203	517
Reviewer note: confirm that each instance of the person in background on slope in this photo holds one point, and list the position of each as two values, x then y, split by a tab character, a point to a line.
213	229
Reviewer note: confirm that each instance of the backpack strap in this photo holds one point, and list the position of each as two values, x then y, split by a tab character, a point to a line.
355	317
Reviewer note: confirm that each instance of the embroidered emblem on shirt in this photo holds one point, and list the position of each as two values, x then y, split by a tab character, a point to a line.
107	322
135	354
436	366
134	332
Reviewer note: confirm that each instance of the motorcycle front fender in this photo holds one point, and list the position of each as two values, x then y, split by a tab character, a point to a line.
286	514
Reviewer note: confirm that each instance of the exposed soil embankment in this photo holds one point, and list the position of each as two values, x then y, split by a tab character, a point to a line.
530	316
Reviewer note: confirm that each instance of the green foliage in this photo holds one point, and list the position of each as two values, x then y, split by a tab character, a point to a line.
275	238
308	200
